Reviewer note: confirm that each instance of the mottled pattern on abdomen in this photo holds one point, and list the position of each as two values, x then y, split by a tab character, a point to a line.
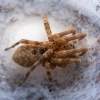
26	55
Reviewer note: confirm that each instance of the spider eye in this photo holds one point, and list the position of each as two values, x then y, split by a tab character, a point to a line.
34	52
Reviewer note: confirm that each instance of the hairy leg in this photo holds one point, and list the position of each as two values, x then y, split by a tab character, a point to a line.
57	35
47	66
73	42
40	60
66	46
65	53
47	26
61	34
65	39
24	41
65	60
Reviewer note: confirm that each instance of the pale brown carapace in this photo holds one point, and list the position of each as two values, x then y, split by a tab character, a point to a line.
58	51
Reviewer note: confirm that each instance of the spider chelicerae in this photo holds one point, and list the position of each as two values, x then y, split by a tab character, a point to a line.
58	51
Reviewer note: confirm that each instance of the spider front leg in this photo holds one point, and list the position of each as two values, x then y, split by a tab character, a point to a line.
73	42
65	39
61	34
47	26
57	35
64	61
40	60
24	41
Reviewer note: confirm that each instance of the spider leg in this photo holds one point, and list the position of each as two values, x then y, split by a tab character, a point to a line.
47	26
73	42
76	36
65	39
72	56
66	46
47	66
25	42
65	61
82	54
45	55
52	65
58	35
64	53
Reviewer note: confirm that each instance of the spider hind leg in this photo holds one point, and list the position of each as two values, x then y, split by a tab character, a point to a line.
24	41
47	66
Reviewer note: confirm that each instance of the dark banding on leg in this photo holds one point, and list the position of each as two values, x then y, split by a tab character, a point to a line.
31	69
47	66
24	41
47	26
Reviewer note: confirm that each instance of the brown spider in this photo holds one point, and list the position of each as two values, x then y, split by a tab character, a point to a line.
58	51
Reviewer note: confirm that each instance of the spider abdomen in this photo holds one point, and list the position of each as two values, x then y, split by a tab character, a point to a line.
26	55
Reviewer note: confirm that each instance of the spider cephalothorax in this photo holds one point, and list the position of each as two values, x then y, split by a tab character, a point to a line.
58	51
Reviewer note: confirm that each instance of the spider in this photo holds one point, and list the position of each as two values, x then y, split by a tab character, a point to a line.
59	51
